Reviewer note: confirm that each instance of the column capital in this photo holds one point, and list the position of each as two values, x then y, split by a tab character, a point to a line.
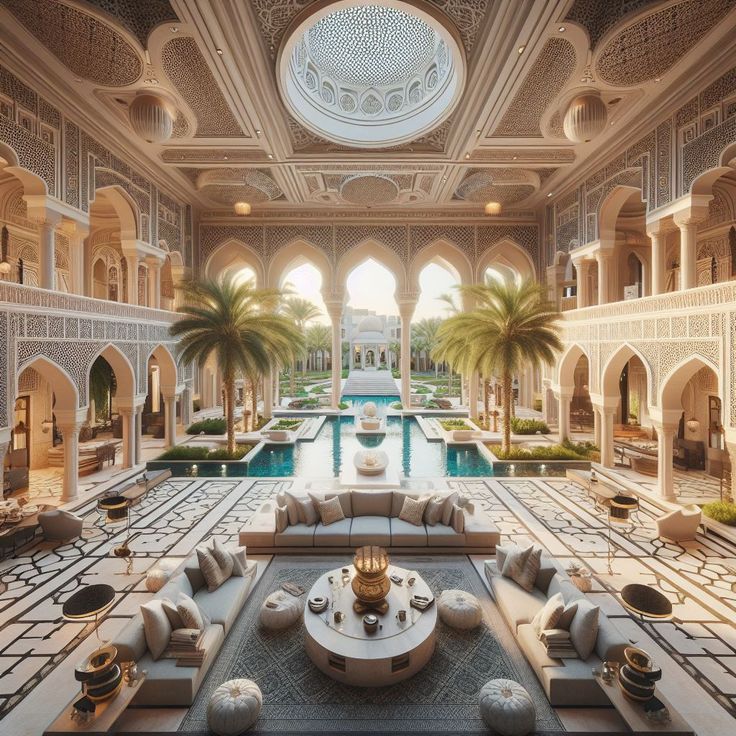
334	309
70	428
690	216
606	404
154	260
657	228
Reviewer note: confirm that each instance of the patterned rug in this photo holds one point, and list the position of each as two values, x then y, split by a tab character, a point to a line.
442	698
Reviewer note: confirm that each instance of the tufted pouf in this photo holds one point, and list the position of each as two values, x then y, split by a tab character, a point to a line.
156	578
234	707
459	609
284	611
507	708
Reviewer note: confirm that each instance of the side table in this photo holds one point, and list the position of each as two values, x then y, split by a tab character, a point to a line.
105	715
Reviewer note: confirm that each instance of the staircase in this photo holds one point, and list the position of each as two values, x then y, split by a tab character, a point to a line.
370	383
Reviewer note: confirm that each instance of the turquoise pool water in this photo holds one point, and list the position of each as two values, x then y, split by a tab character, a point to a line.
336	445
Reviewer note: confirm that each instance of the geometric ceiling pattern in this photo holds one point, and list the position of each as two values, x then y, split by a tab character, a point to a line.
502	142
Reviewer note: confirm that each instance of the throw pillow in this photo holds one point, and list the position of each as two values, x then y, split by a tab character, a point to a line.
240	561
172	614
433	510
214	575
413	510
522	566
549	614
156	626
331	511
502	550
584	628
282	518
567	615
307	513
450	501
292	508
458	520
189	612
221	554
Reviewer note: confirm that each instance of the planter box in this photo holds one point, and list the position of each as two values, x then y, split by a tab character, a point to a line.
462	435
201	468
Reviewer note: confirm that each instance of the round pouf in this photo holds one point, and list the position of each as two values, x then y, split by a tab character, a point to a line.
506	707
459	609
280	610
234	707
156	579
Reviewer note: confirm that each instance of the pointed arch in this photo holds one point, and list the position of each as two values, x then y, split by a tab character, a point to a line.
231	255
167	366
62	384
125	208
122	367
372	250
611	371
508	254
294	254
10	164
610	208
673	384
567	364
445	254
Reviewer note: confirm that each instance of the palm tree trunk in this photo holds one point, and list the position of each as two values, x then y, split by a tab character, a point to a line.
230	410
254	403
292	378
487	402
506	442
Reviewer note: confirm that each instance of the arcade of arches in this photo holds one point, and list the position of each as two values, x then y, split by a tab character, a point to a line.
587	146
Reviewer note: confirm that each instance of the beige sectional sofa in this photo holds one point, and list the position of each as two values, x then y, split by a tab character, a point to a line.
169	685
567	682
371	518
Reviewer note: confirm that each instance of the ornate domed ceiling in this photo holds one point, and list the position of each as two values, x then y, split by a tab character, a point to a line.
371	75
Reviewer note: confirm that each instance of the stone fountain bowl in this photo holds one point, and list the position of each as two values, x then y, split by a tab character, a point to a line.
370	409
368	468
369	422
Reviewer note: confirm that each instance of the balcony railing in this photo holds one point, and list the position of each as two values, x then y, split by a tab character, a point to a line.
568	302
713	295
35	299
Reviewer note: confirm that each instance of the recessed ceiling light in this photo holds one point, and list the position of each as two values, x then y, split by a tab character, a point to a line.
521	48
467	155
242	209
224	158
219	51
258	132
549	194
174	29
515	157
270	155
657	80
477	132
561	29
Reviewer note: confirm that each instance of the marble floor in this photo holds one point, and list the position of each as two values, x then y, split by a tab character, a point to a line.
697	649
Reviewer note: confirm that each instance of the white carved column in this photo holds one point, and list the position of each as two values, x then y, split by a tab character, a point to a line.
3	449
596	427
604	259
70	435
76	234
154	282
582	272
131	269
406	310
563	414
659	248
334	310
128	420
47	254
665	439
606	430
687	222
169	420
187	408
139	433
729	494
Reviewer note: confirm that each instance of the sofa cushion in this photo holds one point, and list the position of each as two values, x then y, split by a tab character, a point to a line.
412	510
214	573
444	536
457	519
533	649
292	507
404	534
130	641
189	613
517	605
584	628
334	535
397	501
371	503
522	566
307	513
330	511
240	561
167	685
282	518
223	605
433	510
258	532
299	535
370	530
549	614
180	583
172	613
567	616
450	501
156	626
547	571
480	531
610	644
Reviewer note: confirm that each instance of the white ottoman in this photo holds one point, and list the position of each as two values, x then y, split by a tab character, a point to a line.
506	707
459	609
234	707
280	610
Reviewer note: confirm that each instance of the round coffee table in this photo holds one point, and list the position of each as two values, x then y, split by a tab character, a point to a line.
646	601
345	651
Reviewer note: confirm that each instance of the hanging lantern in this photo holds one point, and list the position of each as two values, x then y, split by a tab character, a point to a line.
151	118
493	208
4	240
585	118
242	209
693	425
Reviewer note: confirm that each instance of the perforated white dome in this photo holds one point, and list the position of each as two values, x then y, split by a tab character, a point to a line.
369	324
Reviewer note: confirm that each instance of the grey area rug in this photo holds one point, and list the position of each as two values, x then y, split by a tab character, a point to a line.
442	698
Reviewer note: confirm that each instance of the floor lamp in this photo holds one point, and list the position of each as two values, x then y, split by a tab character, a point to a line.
619	514
117	511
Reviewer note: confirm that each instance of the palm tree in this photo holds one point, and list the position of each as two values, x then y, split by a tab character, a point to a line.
394	348
427	331
452	309
300	311
319	340
236	323
512	325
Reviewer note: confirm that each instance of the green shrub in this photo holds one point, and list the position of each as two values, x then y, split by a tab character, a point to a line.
585	449
397	405
528	426
318	390
545	452
343	405
721	511
286	424
451	424
196	406
215	425
187	452
421	390
222	454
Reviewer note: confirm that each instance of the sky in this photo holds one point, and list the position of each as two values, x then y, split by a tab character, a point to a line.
371	286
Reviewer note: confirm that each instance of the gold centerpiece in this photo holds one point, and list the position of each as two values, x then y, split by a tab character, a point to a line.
371	583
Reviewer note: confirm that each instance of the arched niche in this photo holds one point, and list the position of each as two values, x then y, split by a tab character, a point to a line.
231	257
611	371
125	208
444	254
703	184
166	366
566	366
124	372
65	390
611	207
295	254
509	255
673	384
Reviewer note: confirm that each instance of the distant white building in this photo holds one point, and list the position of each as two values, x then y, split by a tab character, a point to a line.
369	336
